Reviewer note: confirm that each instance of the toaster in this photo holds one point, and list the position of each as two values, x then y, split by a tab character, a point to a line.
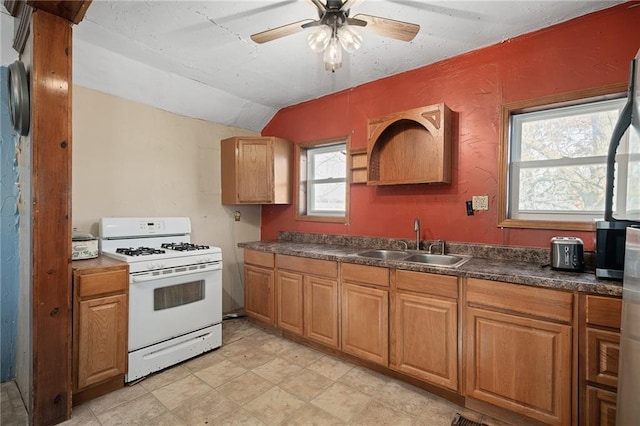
567	254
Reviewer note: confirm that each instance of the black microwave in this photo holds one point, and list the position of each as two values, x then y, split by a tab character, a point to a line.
610	242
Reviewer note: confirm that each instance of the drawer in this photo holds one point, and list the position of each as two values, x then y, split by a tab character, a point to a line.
601	407
526	300
325	268
603	348
99	283
259	258
603	311
365	274
421	282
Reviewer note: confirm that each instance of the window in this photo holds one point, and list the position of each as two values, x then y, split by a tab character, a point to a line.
322	180
554	160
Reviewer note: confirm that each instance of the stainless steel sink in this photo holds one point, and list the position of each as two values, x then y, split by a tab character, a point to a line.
437	259
385	254
449	260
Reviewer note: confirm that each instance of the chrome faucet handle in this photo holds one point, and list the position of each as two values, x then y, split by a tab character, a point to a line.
437	243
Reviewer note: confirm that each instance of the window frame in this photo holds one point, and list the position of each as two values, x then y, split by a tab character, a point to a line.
611	91
301	190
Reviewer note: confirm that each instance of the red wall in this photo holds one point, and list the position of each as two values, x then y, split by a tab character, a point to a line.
586	52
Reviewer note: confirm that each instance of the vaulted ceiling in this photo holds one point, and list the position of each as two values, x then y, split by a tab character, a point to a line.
196	58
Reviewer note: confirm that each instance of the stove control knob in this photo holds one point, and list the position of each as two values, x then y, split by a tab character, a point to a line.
160	265
151	265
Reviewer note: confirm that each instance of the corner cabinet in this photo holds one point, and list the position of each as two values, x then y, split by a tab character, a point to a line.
256	170
100	324
518	344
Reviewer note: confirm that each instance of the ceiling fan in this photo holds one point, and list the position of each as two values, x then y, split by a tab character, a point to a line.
334	28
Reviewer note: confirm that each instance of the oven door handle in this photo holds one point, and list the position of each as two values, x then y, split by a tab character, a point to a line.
145	278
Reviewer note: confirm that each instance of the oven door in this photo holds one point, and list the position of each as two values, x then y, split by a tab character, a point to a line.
171	304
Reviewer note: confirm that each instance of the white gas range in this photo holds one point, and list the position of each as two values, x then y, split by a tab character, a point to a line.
175	290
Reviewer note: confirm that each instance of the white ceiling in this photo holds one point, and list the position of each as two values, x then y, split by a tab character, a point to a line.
195	58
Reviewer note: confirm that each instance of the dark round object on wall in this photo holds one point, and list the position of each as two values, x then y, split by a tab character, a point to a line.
19	102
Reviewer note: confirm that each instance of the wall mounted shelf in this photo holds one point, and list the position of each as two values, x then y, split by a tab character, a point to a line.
408	147
358	165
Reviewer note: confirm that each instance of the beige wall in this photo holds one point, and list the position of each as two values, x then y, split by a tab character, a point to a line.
131	159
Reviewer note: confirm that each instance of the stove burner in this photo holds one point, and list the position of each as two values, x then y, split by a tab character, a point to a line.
140	251
183	246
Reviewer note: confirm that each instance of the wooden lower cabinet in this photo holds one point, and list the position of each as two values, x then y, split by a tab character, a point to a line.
290	301
365	312
515	357
321	310
424	327
599	345
600	407
100	327
308	298
259	286
102	352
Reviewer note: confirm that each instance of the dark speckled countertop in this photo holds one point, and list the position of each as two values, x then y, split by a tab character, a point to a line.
516	265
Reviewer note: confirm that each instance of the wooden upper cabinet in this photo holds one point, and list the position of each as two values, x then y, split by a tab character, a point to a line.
256	170
412	146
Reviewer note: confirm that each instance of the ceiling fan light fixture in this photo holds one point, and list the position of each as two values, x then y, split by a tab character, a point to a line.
349	39
333	55
319	39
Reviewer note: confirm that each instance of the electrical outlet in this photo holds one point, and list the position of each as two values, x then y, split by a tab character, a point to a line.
480	202
236	216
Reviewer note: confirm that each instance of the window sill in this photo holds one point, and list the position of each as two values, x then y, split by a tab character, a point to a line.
329	219
547	224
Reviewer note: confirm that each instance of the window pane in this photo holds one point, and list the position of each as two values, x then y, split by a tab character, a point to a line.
332	164
570	188
570	135
328	197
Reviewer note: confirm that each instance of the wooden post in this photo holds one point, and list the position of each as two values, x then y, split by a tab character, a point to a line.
50	75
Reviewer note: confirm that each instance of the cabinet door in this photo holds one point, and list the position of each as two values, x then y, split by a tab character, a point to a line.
601	407
321	310
259	294
424	341
365	322
290	301
255	171
102	342
521	364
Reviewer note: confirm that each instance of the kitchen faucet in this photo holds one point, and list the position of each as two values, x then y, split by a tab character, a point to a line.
437	243
416	229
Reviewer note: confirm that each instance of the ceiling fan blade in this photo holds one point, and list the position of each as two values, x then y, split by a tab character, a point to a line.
279	32
400	30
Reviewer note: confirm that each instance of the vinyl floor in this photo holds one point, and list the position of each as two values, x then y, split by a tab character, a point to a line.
258	378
